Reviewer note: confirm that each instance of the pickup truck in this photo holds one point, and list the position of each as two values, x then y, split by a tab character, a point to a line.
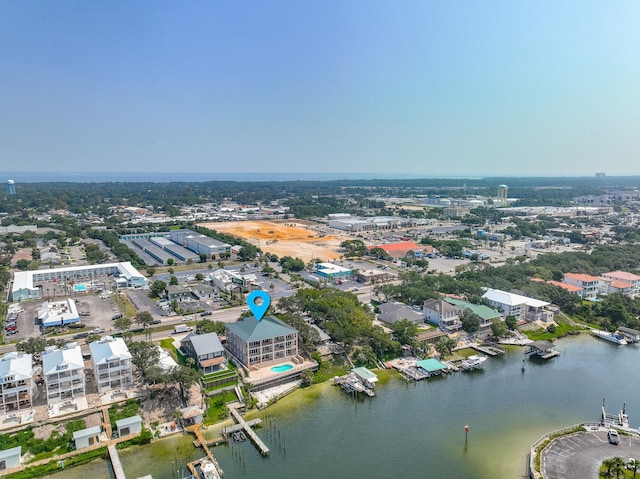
181	328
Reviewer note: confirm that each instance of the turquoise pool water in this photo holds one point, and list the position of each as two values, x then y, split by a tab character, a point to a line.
282	368
80	287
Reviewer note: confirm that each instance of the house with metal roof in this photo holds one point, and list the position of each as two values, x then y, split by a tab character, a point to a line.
16	382
520	307
206	350
10	458
112	364
431	366
260	343
485	313
63	370
442	314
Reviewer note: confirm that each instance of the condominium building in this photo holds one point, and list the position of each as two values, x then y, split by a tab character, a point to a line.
588	283
111	364
17	382
63	370
259	343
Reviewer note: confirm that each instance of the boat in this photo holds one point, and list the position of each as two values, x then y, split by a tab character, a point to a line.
209	470
615	338
473	362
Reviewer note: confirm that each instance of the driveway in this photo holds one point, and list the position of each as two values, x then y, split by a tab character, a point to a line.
579	455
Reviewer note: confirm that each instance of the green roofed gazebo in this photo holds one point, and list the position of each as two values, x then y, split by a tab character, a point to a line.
432	366
365	375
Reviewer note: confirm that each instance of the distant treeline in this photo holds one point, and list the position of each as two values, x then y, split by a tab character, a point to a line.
97	197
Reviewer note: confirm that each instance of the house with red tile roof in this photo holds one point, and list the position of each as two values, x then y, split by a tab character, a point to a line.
621	278
590	284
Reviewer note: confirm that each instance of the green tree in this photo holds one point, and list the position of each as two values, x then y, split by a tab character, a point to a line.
470	321
203	257
184	377
22	264
199	276
144	355
404	331
498	328
122	324
445	346
511	322
144	319
157	289
173	280
170	261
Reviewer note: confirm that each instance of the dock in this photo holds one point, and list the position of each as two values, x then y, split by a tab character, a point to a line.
202	442
118	470
247	428
488	350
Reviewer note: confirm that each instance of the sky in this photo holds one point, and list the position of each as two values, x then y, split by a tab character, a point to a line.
431	88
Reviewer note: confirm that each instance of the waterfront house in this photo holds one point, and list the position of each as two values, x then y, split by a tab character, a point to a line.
623	282
10	458
588	283
442	314
112	364
63	370
485	313
259	343
18	386
87	437
206	350
520	307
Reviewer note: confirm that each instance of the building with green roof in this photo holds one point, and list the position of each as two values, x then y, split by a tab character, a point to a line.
260	343
485	313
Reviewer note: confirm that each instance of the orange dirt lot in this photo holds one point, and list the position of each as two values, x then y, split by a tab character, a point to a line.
284	239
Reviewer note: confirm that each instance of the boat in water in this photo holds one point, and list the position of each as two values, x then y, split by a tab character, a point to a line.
209	470
615	338
473	362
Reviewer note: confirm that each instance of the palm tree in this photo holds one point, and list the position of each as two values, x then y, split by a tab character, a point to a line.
618	465
634	464
608	463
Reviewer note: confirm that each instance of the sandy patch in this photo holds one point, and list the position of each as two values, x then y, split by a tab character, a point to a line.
285	238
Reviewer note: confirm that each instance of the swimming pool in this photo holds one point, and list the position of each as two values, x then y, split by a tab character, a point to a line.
80	287
282	368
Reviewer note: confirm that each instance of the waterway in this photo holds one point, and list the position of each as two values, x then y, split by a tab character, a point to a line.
416	430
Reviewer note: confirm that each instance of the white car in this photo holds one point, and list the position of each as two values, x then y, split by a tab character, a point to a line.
96	331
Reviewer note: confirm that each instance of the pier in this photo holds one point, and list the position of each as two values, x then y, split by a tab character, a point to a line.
488	350
118	470
201	442
247	428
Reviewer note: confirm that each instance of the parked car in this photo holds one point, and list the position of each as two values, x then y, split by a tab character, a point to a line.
116	316
12	332
11	328
97	331
206	313
84	313
156	321
80	335
613	437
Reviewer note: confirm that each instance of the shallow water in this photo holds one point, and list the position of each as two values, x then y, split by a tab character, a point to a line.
416	430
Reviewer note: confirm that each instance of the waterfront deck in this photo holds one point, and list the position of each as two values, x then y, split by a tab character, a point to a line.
488	350
202	442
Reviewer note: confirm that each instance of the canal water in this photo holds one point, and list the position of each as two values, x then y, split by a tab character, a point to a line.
417	429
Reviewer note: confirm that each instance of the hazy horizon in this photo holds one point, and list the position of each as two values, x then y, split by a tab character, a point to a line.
410	88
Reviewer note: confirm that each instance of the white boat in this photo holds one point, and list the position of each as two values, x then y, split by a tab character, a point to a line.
209	470
615	338
473	362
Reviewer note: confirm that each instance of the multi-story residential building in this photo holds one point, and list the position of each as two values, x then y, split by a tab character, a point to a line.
111	363
17	382
63	371
206	350
588	283
621	278
260	343
485	313
520	307
442	314
395	311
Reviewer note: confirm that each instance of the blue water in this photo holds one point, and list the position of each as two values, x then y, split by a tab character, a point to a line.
282	368
81	287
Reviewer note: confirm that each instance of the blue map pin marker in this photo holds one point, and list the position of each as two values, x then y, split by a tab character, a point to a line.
258	310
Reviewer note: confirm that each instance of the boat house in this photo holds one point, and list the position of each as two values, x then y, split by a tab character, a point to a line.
543	349
433	367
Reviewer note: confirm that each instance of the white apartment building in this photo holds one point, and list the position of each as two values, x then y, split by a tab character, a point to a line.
588	283
627	283
111	363
63	371
16	379
520	307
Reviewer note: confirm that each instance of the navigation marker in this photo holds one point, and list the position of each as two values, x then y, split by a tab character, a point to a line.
258	310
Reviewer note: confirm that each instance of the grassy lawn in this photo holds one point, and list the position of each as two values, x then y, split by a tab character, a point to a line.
217	408
562	330
328	370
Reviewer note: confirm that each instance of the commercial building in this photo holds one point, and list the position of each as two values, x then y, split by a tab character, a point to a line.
333	271
63	371
26	283
58	313
356	224
16	379
199	243
111	363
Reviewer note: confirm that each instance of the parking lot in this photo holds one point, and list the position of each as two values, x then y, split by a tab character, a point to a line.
579	455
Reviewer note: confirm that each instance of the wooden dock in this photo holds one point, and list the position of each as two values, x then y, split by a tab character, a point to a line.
488	350
246	427
202	442
118	470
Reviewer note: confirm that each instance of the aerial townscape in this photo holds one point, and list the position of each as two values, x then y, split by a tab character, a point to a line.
287	239
130	322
